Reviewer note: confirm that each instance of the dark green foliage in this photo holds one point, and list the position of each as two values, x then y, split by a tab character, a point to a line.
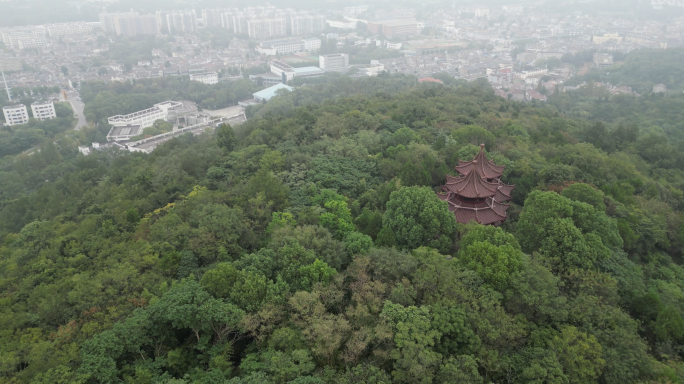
225	137
418	217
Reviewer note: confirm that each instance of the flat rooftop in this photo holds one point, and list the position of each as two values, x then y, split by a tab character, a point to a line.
14	106
308	71
128	130
268	93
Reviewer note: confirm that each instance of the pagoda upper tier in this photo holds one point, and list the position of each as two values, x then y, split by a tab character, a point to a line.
478	194
484	168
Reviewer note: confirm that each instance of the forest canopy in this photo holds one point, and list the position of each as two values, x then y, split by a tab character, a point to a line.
307	245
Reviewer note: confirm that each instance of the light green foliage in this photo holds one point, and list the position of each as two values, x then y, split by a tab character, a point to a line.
586	194
282	367
539	366
357	243
338	218
492	253
418	217
414	362
280	220
474	135
569	234
579	354
317	272
459	369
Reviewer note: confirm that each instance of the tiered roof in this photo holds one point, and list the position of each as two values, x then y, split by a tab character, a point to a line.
478	193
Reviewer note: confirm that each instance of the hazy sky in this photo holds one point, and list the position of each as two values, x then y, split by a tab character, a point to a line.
27	12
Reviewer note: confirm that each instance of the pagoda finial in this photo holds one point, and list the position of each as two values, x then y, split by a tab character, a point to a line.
482	146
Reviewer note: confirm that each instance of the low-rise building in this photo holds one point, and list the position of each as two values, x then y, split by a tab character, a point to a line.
267	79
312	44
43	111
395	27
336	62
146	117
603	60
125	132
268	93
607	38
281	46
307	72
15	114
660	88
206	77
282	69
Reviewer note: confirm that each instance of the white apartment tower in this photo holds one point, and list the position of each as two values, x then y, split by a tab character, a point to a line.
129	23
306	24
185	21
15	114
43	111
265	28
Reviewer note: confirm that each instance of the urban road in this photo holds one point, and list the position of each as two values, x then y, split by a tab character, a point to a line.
78	106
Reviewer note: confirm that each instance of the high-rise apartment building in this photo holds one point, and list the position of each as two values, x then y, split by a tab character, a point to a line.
306	24
129	23
179	21
63	29
213	17
266	28
24	37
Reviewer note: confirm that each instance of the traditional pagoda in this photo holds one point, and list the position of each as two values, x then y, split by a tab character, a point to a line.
478	193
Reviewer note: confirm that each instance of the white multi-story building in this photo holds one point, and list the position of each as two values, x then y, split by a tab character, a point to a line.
24	37
336	62
265	28
481	12
146	117
514	9
129	23
43	111
185	21
206	78
312	44
282	69
15	114
283	46
10	64
62	29
395	46
212	17
306	24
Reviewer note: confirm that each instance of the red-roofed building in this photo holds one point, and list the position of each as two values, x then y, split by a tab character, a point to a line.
430	80
478	194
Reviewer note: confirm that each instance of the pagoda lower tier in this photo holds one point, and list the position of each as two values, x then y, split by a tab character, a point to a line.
486	211
478	194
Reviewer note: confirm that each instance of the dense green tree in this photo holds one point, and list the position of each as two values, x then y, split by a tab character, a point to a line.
417	217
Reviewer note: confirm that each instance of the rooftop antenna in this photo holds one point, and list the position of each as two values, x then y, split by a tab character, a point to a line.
5	81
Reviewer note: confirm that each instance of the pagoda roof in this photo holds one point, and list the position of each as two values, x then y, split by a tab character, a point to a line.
471	186
484	168
486	212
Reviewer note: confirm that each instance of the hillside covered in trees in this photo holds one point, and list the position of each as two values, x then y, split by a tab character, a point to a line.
307	246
